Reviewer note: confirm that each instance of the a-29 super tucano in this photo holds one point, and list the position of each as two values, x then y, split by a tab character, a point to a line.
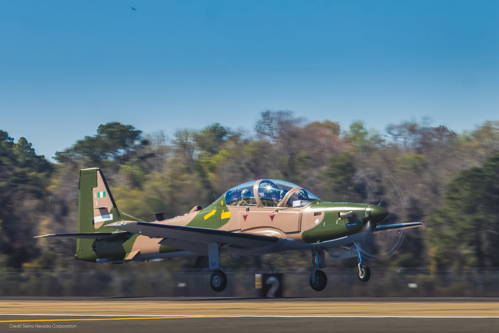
258	217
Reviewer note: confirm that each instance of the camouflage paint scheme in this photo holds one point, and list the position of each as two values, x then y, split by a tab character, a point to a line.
100	240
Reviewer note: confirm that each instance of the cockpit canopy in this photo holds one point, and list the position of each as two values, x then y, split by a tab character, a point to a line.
270	193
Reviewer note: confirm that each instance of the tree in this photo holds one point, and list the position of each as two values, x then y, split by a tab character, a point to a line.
273	123
485	138
464	233
410	163
363	139
185	147
24	176
113	142
210	138
340	172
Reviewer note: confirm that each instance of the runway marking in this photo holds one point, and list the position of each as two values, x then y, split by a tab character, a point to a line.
137	317
102	319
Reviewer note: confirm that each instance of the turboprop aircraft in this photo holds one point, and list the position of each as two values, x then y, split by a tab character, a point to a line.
257	217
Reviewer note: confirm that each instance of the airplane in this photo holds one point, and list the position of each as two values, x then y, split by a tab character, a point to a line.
254	218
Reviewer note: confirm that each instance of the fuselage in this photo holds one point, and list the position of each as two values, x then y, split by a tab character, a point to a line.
295	227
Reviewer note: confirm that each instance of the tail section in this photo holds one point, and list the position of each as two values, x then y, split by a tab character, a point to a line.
96	206
96	209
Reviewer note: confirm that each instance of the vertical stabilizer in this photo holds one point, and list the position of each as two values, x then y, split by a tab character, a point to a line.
96	209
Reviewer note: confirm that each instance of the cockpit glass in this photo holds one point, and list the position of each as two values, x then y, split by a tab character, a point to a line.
301	198
271	193
241	195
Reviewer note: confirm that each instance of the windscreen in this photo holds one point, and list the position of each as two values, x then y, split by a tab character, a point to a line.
271	193
241	195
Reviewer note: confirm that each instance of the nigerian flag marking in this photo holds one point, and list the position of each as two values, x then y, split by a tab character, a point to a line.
101	194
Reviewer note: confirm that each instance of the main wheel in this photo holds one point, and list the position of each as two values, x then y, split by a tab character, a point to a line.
218	281
318	281
364	272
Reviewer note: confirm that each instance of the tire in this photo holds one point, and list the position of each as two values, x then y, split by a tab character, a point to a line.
218	281
364	273
318	281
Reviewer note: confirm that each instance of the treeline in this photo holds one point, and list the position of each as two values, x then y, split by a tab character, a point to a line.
419	172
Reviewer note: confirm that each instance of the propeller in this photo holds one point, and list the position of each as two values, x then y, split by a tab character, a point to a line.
368	180
377	214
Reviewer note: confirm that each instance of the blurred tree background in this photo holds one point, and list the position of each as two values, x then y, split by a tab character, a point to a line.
419	172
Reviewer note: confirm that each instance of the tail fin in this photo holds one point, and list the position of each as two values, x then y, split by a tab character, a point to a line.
96	206
96	209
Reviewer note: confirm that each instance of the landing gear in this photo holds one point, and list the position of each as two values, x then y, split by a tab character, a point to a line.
364	271
318	279
218	280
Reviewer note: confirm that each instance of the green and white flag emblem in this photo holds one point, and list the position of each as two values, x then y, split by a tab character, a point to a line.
101	194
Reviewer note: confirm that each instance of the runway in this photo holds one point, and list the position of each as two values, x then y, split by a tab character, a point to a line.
249	315
247	325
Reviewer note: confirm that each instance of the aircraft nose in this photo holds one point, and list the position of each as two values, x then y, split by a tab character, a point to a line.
377	213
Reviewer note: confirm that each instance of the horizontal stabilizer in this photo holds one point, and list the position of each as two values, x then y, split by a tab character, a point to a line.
88	235
407	225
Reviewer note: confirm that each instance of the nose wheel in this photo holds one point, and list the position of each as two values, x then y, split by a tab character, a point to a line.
364	273
218	281
318	280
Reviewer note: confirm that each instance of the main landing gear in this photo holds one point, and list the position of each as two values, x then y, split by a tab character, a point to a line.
364	271
318	279
218	279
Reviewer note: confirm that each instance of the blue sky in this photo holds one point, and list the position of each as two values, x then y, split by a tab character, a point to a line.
68	66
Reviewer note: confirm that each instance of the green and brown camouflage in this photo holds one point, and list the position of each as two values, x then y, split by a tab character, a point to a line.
318	222
263	216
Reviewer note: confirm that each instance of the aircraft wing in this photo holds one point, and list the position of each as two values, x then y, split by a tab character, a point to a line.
407	225
191	238
87	235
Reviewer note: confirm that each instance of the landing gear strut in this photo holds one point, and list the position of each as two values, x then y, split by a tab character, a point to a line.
318	279
218	279
364	271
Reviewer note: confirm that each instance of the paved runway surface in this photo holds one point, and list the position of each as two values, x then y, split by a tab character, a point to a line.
247	325
227	315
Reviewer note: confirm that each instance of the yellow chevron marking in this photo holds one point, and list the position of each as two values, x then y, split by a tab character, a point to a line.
225	215
210	214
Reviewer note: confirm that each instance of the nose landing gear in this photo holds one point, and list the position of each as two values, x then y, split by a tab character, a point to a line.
364	271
